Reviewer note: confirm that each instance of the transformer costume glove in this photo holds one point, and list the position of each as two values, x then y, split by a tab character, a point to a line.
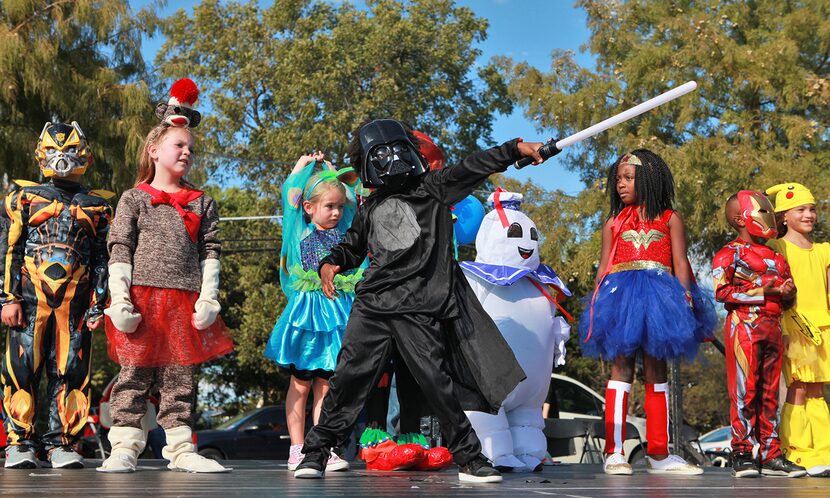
121	310
207	307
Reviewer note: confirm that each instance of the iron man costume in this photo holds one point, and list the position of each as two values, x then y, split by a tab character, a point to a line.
752	332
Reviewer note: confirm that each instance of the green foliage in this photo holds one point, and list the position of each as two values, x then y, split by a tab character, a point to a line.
301	74
74	60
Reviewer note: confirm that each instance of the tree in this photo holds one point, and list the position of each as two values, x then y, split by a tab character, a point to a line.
759	116
74	60
301	74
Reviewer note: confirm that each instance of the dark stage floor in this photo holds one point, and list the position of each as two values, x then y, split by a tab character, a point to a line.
271	478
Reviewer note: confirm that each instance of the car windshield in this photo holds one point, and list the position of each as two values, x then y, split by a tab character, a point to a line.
718	435
232	422
575	399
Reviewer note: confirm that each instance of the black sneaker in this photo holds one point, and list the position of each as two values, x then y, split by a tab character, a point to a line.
744	465
478	470
781	467
313	465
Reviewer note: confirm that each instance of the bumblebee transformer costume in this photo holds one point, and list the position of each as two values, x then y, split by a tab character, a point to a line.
54	264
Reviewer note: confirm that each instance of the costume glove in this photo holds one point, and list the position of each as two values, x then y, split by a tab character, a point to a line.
121	310
207	307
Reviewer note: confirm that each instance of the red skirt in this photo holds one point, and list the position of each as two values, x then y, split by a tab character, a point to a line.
165	335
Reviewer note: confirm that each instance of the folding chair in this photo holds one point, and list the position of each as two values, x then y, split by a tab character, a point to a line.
559	431
598	433
690	450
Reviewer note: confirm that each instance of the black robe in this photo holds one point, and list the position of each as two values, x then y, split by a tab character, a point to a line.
408	235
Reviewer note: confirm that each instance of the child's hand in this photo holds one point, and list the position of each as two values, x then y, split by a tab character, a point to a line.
95	324
531	149
788	289
327	273
12	315
303	161
770	289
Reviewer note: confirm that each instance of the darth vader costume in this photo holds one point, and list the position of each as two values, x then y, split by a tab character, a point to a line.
414	295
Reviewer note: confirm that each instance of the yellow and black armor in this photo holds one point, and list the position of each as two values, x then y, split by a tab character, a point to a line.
54	264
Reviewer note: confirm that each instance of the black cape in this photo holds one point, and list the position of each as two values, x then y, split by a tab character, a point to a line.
408	236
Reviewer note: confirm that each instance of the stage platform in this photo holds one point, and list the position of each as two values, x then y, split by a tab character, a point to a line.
271	478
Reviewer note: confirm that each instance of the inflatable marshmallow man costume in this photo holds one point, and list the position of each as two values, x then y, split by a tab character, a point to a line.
512	286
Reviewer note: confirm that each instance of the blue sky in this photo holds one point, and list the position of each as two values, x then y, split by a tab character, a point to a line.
525	30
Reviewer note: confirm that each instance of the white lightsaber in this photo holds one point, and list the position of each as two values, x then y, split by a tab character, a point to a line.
550	149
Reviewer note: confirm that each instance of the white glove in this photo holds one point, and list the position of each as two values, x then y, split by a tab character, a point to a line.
121	310
207	307
561	336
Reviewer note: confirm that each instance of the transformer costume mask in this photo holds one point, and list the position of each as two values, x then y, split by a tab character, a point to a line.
758	214
389	156
54	265
62	150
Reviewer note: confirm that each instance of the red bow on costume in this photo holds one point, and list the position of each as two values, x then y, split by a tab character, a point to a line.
179	201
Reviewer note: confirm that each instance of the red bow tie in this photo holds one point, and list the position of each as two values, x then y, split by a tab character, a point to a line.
179	201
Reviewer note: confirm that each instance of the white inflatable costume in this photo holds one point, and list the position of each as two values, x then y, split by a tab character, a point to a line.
512	286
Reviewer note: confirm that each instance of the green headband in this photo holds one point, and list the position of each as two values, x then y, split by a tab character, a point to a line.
327	175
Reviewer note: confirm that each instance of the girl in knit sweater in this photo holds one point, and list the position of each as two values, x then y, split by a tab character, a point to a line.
164	282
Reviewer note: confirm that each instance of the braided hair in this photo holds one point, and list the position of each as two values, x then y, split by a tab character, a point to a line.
653	184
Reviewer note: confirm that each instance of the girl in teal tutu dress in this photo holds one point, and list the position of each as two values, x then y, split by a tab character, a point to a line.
317	210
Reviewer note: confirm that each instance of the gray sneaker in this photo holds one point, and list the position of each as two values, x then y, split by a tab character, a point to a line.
63	457
20	457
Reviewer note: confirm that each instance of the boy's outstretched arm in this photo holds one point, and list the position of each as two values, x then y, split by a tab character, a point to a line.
454	183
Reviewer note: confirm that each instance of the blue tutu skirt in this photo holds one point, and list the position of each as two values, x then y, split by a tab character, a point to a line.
646	309
310	330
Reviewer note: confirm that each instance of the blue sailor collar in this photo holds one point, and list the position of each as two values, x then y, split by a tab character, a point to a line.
508	275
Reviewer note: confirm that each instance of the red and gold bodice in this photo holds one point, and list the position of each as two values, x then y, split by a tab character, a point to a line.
641	244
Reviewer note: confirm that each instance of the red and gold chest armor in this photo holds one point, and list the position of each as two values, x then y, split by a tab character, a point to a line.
641	244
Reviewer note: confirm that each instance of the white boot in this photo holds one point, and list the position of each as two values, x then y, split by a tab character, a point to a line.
127	443
181	452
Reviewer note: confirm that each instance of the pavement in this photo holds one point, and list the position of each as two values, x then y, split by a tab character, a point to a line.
263	478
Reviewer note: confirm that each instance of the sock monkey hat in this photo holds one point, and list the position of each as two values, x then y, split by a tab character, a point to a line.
178	111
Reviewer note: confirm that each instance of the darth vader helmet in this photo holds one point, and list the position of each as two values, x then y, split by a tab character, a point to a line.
390	158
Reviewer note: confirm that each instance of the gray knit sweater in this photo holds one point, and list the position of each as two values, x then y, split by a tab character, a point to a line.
154	240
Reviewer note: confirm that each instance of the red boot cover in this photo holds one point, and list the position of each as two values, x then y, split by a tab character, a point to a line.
616	409
657	418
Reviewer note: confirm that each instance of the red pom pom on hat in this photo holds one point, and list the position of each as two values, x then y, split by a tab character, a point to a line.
184	92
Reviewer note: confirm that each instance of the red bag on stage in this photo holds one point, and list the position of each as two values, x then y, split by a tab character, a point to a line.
436	458
402	456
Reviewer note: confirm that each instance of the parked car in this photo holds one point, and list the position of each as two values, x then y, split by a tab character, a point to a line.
258	434
717	446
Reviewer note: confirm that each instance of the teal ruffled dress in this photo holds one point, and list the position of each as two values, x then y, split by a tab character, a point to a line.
309	332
